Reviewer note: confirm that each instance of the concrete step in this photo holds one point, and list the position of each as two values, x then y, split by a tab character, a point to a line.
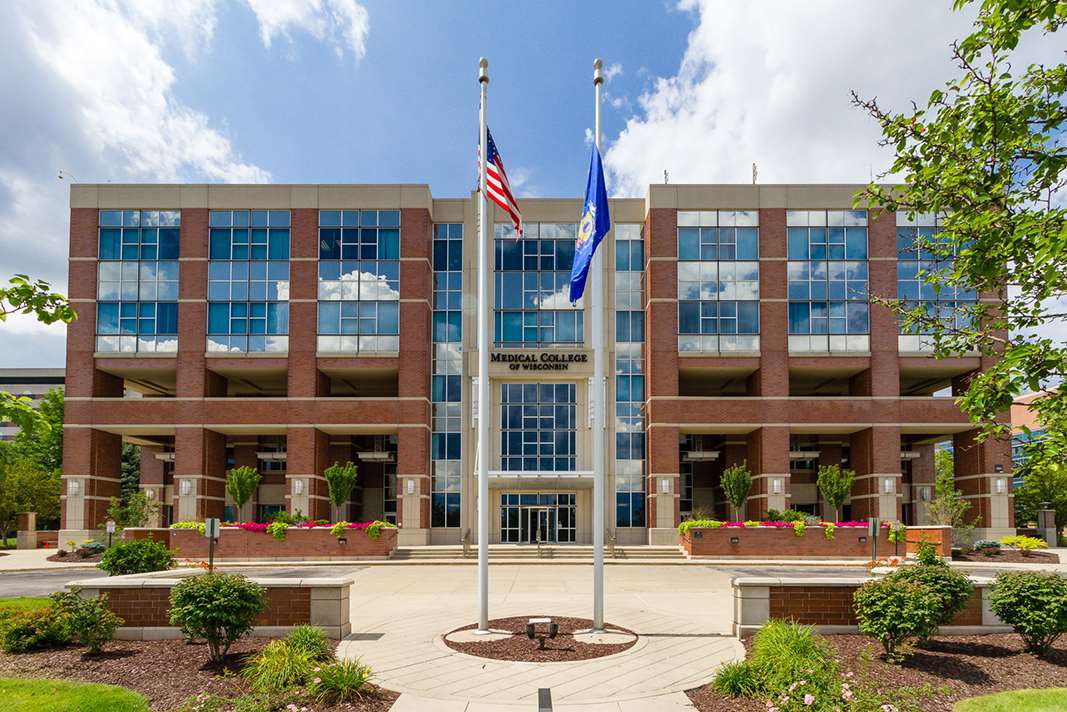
558	552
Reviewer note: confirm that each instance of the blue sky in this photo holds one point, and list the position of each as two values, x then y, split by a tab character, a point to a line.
408	111
373	91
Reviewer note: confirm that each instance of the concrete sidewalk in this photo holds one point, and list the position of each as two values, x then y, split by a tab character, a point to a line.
37	560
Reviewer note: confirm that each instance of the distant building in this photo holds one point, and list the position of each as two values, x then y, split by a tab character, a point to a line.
1022	416
32	383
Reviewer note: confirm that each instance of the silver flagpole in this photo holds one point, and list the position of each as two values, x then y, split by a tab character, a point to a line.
485	411
598	304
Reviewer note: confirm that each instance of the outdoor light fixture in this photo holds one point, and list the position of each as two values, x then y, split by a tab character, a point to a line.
735	540
531	631
186	487
776	485
998	485
411	486
298	487
375	456
924	494
887	485
665	486
74	488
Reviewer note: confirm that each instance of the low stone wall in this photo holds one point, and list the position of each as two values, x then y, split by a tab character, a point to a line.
826	603
939	536
144	604
776	543
299	544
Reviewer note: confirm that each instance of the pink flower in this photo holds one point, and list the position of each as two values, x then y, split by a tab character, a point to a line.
809	699
317	681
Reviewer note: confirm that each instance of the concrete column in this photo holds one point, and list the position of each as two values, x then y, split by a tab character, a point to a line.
151	481
26	530
768	458
664	484
875	456
413	485
92	463
983	475
307	450
922	483
199	473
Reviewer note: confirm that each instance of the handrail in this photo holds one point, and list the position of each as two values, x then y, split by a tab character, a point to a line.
466	540
611	543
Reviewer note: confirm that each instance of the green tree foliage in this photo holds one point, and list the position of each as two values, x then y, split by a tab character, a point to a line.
1043	482
835	485
340	479
26	487
41	436
219	608
736	484
1034	604
26	296
130	472
140	556
241	484
137	511
986	154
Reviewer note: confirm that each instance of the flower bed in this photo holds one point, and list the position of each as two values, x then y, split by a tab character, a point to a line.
256	540
783	540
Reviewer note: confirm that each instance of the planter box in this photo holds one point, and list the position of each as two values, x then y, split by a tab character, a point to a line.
300	543
939	536
775	543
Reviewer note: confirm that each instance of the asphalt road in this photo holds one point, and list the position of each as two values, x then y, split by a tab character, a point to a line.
42	583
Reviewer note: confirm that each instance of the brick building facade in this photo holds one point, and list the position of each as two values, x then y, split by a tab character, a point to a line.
289	327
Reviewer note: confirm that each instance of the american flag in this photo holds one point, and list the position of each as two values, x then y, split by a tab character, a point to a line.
496	185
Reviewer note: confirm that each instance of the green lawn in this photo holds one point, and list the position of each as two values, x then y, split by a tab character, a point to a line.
61	696
23	602
1052	700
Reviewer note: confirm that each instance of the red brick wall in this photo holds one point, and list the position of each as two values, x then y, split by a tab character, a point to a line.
151	606
241	544
832	605
781	543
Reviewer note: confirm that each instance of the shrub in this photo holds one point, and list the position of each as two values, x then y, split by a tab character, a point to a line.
798	527
89	621
340	479
219	608
286	518
688	524
926	554
1026	544
374	531
736	679
1034	604
835	485
736	482
338	681
91	548
784	652
311	640
32	629
279	666
277	530
198	526
773	515
241	484
892	611
952	588
136	557
829	529
792	515
987	547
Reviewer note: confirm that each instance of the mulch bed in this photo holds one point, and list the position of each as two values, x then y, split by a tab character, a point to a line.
76	559
167	672
956	666
520	648
1007	556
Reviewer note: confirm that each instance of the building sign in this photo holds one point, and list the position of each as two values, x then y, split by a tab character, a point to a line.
539	360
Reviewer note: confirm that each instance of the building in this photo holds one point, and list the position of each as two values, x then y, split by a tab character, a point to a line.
32	383
1022	416
291	326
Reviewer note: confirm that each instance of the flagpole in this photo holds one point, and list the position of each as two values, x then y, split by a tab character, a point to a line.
598	395
485	411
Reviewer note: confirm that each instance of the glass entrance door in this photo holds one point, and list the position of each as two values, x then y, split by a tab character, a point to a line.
526	516
539	525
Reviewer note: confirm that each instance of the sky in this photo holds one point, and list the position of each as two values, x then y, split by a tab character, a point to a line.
385	91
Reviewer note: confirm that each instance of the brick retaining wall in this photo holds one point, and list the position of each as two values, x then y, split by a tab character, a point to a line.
317	543
832	605
775	543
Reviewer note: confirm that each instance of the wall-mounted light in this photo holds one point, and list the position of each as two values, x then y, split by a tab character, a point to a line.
185	487
924	494
298	486
999	485
888	485
74	488
150	493
411	486
735	540
665	486
776	485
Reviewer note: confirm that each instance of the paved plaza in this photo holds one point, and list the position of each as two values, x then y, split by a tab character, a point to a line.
682	613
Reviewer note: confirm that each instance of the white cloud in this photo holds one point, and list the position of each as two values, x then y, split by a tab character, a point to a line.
771	86
343	23
613	70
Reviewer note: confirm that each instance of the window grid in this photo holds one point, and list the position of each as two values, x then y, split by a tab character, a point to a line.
137	281
532	285
248	281
359	281
629	378
538	427
447	375
828	280
924	261
718	280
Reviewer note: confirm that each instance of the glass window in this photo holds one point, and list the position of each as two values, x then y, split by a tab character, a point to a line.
538	422
137	280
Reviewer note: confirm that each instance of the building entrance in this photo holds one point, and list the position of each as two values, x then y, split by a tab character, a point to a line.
532	518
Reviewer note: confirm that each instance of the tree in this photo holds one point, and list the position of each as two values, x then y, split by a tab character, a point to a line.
340	479
41	436
130	471
241	484
835	485
1043	483
135	511
26	487
986	154
26	296
949	508
736	484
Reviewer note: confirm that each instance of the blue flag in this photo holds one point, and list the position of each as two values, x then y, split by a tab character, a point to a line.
593	225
